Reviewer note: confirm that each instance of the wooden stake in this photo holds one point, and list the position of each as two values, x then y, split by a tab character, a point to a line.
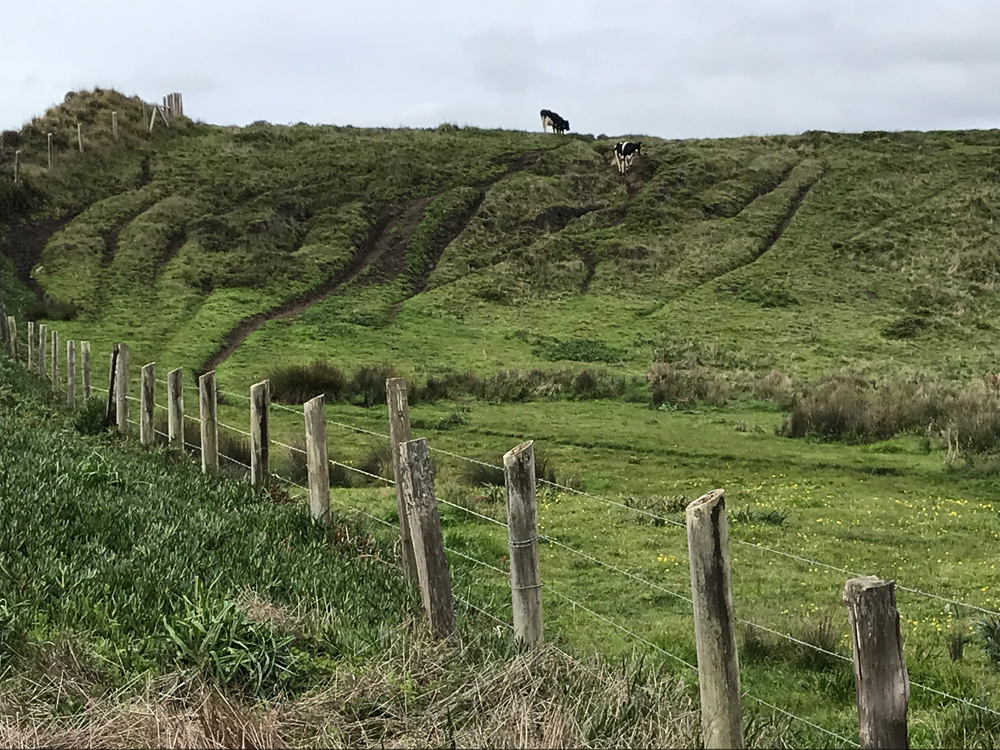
522	538
399	432
50	150
260	436
114	126
881	682
175	409
715	637
12	328
207	404
121	388
31	345
85	355
147	435
318	462
79	136
41	348
428	542
55	360
71	373
17	167
109	413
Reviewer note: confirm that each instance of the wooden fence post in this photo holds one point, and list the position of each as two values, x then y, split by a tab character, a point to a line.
147	435
318	462
31	345
715	636
522	538
260	436
12	327
85	355
114	126
109	412
79	135
175	409
121	388
41	348
399	432
71	373
881	683
50	149
428	542
55	360
207	404
17	167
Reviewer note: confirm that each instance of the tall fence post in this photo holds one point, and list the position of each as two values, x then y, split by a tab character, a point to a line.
147	436
49	139
316	457
881	682
41	348
260	436
55	360
85	355
428	542
31	345
114	126
121	388
399	432
522	538
109	412
12	328
715	636
207	405
71	373
175	409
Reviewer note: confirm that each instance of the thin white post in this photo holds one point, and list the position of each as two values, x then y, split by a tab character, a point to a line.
114	126
85	355
50	150
31	344
17	167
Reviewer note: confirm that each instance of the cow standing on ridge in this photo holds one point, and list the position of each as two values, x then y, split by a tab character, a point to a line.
551	120
625	153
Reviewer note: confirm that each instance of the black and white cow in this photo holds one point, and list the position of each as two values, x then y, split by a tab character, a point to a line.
625	153
551	120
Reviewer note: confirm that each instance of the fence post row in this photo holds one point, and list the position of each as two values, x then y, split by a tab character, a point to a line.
428	542
175	409
146	434
522	530
109	412
715	636
31	345
207	405
399	432
260	436
85	355
121	388
55	360
316	457
71	373
880	678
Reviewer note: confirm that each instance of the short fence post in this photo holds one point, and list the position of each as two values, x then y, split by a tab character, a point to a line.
428	542
121	388
55	360
17	167
12	327
31	345
399	432
175	409
114	126
41	348
318	462
207	405
85	355
109	412
79	135
260	436
522	538
49	139
71	373
715	636
880	679
146	434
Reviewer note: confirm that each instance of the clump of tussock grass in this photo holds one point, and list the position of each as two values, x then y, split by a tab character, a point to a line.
297	384
769	517
296	466
488	472
673	385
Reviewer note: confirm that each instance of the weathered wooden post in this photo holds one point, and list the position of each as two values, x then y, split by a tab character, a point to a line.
12	328
881	682
317	460
71	373
260	436
121	388
144	113
55	360
31	345
399	432
17	167
147	435
522	539
79	135
715	636
207	405
50	149
428	542
85	355
41	348
114	126
109	412
175	409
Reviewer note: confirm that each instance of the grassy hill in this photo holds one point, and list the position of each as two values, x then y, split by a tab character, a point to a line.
837	287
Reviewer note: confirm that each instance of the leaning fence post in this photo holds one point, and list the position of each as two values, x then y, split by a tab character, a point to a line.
55	360
175	409
71	373
428	542
522	538
260	437
31	344
318	463
41	348
85	355
109	412
715	637
881	683
207	405
399	432
147	436
121	388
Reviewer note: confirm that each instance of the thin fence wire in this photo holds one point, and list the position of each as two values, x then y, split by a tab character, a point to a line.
790	715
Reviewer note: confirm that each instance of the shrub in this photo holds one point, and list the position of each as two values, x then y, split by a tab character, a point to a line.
448	385
678	386
300	383
580	350
50	309
776	387
90	419
367	387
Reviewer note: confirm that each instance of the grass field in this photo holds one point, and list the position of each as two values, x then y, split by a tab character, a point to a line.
462	250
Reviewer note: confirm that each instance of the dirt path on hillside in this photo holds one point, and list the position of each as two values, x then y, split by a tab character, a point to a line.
24	244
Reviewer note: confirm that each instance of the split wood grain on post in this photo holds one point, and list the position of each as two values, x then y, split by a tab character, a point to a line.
121	388
399	432
522	539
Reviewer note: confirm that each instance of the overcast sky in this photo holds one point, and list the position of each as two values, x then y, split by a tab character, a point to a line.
671	68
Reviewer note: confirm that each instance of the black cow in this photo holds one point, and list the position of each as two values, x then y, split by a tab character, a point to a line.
625	153
551	120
